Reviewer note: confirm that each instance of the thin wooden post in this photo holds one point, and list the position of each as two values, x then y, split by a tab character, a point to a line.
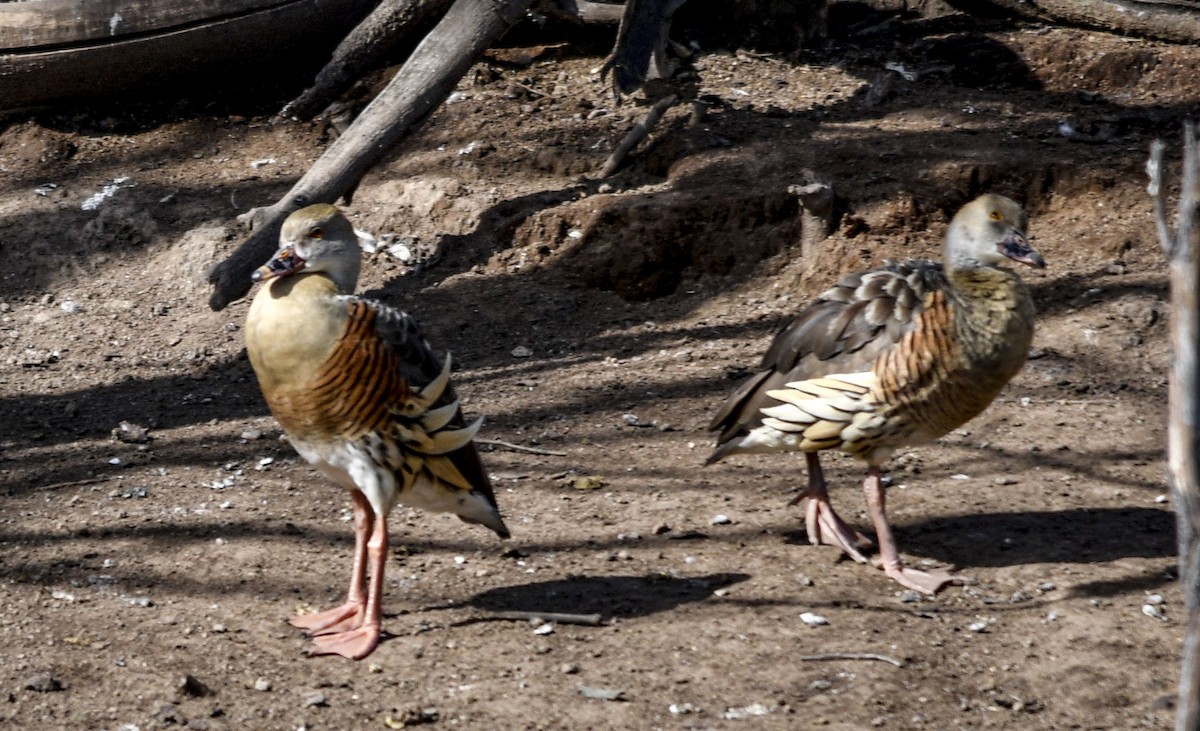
1182	248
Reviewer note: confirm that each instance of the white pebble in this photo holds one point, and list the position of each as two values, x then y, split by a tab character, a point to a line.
1152	611
813	620
262	684
1155	599
721	519
544	629
115	460
1161	499
401	252
979	626
960	476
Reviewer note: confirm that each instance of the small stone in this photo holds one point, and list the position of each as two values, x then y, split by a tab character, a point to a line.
568	668
401	252
1156	599
979	626
754	709
804	580
263	685
190	686
522	352
544	629
1151	610
252	434
909	597
1046	586
70	307
412	716
813	620
721	519
43	683
588	482
316	699
601	694
1160	499
167	715
1019	596
677	709
1116	267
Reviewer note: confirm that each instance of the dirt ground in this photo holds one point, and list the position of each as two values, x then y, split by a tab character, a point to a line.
145	585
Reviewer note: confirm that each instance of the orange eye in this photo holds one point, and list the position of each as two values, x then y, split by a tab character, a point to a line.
316	232
994	215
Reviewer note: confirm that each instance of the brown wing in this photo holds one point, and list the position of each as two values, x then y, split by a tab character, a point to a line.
408	389
843	331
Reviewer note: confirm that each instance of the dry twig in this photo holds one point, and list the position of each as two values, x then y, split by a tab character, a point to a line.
520	448
71	483
590	620
852	656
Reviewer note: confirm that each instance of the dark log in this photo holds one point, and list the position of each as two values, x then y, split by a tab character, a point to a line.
425	80
30	25
1183	400
366	48
54	50
582	12
1177	21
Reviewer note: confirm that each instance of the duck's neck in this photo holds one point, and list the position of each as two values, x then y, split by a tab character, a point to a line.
994	316
293	324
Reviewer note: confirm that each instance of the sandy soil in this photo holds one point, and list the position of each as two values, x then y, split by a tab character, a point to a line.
145	585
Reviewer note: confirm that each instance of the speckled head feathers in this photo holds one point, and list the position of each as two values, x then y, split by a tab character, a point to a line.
316	239
986	232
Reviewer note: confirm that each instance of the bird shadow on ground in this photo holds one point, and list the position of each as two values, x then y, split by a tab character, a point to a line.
609	596
1085	536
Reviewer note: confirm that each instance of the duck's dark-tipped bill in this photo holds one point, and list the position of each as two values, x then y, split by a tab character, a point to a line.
285	262
1016	247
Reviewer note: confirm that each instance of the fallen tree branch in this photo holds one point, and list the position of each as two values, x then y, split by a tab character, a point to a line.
637	134
852	656
366	48
1177	21
519	448
583	12
425	80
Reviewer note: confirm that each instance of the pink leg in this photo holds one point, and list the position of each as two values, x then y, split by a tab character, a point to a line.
348	615
359	640
928	582
823	525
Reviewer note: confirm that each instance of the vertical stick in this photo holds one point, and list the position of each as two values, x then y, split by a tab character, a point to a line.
1183	409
